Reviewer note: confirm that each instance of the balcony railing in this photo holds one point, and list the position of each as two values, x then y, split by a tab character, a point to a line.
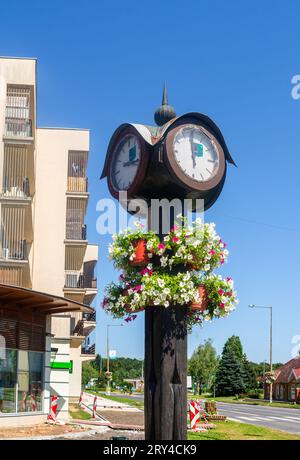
15	127
77	280
76	232
89	316
14	251
16	187
77	184
88	350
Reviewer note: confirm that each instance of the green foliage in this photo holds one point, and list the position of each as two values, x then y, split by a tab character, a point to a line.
229	379
248	374
88	373
203	365
121	368
234	344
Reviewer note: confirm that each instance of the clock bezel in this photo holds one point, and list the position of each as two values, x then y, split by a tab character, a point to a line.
177	172
142	167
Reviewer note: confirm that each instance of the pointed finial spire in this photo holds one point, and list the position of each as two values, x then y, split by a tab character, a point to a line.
164	112
165	96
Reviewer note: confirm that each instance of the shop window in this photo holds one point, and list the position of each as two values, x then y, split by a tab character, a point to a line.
8	380
21	381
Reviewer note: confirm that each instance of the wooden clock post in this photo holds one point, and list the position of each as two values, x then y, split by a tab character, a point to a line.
182	157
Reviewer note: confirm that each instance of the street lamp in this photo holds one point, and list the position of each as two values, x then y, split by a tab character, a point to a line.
271	339
108	373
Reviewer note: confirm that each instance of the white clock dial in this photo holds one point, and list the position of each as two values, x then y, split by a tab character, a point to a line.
125	162
195	153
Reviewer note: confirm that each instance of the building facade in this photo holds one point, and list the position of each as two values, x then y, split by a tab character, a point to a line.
286	386
43	236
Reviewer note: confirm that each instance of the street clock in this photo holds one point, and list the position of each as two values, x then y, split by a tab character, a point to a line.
182	157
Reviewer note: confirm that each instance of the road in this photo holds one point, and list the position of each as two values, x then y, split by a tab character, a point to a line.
272	417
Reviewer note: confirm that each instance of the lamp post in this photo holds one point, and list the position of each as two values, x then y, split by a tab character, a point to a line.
108	374
271	342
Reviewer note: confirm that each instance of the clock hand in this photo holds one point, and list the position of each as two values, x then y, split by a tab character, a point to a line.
192	149
129	163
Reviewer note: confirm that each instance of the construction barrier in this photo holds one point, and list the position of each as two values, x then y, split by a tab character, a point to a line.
194	414
53	410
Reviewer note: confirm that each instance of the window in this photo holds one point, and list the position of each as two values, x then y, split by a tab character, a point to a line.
21	382
8	380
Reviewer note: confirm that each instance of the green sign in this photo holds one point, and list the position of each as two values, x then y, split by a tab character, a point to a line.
62	365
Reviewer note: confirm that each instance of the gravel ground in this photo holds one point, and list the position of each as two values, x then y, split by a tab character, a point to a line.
123	417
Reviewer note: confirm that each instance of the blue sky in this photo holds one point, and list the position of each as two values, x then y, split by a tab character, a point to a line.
102	63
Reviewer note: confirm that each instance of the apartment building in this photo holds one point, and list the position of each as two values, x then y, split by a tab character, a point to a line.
43	251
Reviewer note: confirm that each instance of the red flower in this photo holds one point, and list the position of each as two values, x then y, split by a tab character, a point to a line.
175	239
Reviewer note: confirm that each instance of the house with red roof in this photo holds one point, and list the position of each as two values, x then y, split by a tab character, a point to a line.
286	386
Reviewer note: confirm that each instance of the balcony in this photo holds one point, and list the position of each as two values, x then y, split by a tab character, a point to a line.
78	280
14	251
18	191
86	324
77	185
77	180
18	123
88	350
18	128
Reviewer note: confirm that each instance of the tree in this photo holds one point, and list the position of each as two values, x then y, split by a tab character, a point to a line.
234	343
249	375
229	380
88	373
203	365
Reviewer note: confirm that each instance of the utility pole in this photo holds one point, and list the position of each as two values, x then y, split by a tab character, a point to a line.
271	345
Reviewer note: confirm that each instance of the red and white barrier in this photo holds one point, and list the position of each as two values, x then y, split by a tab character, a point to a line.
194	414
95	407
53	410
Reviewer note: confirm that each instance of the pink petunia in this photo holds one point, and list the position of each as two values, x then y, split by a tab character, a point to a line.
175	239
222	305
220	291
174	228
138	288
161	246
212	252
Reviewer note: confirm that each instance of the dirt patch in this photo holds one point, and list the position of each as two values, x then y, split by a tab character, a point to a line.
123	417
39	430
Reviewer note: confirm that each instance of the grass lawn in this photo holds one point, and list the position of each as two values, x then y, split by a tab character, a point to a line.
76	412
230	399
129	401
254	402
241	431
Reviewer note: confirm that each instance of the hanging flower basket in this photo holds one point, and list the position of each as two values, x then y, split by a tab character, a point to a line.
202	305
176	270
140	255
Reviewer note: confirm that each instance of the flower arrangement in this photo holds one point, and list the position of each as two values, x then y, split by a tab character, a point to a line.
270	377
175	271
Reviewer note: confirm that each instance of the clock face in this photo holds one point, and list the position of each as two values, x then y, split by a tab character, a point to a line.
125	164
196	153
